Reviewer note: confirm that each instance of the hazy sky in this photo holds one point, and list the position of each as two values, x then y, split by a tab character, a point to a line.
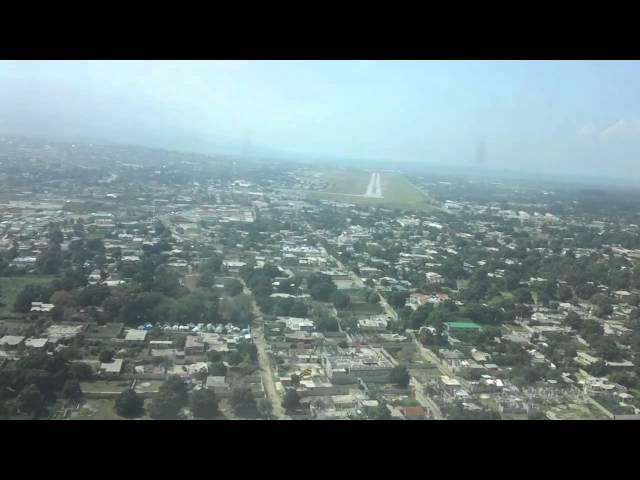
573	116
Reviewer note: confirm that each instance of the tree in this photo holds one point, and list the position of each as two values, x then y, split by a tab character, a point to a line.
291	400
399	376
265	408
373	298
326	322
237	310
283	307
243	402
213	264
174	384
597	369
166	405
271	270
322	291
72	390
129	404
398	299
574	320
607	349
564	293
233	287
299	309
265	304
206	279
93	295
57	313
50	261
166	281
586	291
523	295
380	412
295	380
234	358
341	300
106	356
285	286
113	305
204	404
30	293
525	375
62	298
81	371
217	369
30	400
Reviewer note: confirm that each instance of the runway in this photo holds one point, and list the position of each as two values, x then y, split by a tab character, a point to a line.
374	189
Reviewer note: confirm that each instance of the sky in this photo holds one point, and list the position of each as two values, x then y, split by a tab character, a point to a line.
537	117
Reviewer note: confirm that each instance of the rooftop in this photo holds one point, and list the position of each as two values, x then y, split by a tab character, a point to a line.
134	335
11	340
464	325
112	367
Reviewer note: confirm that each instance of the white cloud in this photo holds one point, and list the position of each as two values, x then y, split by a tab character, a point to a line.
589	130
625	128
622	129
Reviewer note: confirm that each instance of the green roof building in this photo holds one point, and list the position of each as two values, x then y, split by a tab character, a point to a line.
463	326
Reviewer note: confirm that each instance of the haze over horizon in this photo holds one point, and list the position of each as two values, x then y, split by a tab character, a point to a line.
547	117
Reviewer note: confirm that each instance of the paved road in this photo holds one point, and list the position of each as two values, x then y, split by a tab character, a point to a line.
600	407
431	357
425	400
266	372
191	281
422	399
358	282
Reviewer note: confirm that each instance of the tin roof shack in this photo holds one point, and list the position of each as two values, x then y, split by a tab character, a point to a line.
194	345
346	366
160	344
112	369
36	343
296	324
11	342
63	331
135	336
512	408
219	386
414	413
377	323
41	307
461	330
97	334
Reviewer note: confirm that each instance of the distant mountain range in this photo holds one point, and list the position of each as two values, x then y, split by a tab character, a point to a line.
217	149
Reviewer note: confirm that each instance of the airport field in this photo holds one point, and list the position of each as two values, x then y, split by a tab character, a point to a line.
349	186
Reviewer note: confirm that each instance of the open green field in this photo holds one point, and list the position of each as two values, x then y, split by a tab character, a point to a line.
364	309
101	409
576	411
349	186
105	386
10	287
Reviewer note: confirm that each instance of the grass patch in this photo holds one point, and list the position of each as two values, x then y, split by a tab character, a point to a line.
10	287
366	309
102	409
14	327
576	411
105	386
147	386
109	330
